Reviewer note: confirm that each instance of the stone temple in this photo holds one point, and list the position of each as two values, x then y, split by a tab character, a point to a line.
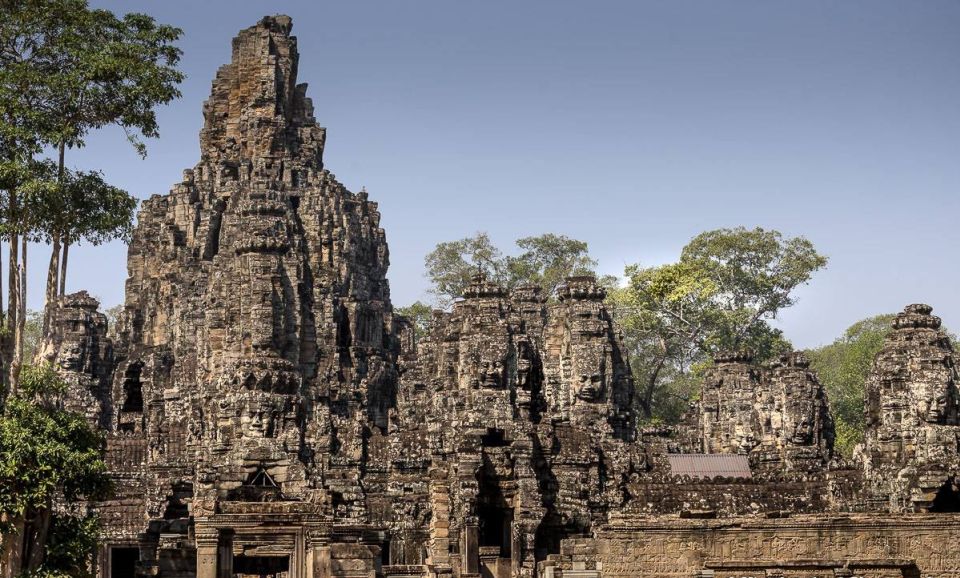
267	414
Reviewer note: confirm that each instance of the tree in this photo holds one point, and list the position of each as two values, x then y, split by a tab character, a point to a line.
46	454
843	367
113	318
419	314
115	71
66	69
452	264
71	546
720	295
32	333
545	260
24	185
85	207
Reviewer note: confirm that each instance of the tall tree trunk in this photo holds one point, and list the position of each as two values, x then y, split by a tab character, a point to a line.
63	267
13	310
35	548
24	547
53	272
21	317
11	555
646	401
3	342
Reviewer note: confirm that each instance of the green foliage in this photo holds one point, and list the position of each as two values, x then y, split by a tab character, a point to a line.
32	333
452	264
67	69
720	295
46	452
25	187
419	313
41	383
547	260
544	260
725	287
843	367
85	207
71	547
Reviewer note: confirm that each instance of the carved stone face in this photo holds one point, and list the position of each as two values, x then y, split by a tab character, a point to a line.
257	420
490	374
590	388
71	357
524	363
936	411
803	433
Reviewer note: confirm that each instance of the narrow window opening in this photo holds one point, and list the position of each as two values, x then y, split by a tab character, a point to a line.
132	388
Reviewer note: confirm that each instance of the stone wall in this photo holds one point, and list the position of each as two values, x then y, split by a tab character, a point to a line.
873	546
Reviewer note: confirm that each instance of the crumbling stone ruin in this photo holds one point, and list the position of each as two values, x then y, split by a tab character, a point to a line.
910	452
267	414
776	415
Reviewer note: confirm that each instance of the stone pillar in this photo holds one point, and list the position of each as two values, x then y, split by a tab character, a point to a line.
470	548
206	552
316	549
103	562
298	558
225	554
321	561
438	553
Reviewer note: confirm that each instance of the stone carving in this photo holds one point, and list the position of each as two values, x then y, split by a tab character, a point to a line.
79	349
777	415
910	451
266	412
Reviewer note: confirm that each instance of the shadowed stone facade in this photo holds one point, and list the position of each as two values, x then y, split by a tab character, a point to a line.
268	415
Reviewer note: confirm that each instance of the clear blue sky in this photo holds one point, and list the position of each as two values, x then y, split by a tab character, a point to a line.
632	125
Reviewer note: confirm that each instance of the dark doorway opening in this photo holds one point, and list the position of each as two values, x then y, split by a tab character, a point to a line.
261	566
123	561
494	528
178	500
947	499
132	388
494	514
494	438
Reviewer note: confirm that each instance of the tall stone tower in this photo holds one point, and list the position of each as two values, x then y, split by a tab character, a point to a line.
910	449
256	351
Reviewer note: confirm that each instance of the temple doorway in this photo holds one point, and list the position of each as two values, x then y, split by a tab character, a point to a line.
261	566
123	561
495	513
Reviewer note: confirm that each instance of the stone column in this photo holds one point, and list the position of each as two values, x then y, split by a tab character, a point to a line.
316	548
207	543
298	558
438	553
469	548
321	561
